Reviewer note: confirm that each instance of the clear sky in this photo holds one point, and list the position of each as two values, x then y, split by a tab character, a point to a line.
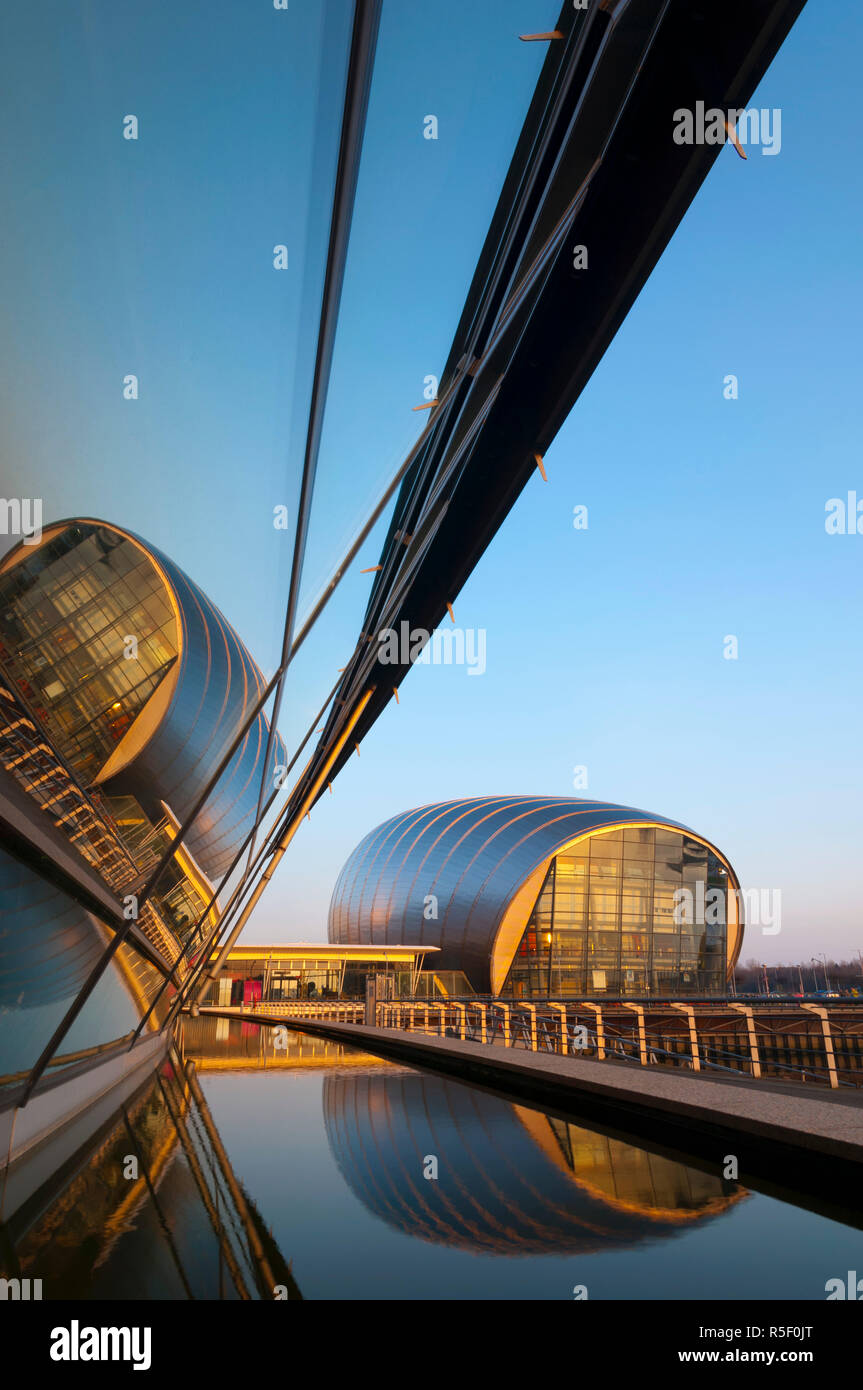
706	515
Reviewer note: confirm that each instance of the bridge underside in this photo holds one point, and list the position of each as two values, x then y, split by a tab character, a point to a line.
596	166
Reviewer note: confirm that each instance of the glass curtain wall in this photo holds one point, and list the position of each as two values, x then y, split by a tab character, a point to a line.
641	911
67	615
44	960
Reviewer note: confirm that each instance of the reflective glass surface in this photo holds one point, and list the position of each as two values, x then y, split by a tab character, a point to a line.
68	612
635	912
151	1209
48	946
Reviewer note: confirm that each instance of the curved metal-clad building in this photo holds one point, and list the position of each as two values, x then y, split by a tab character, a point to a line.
48	943
137	677
48	946
216	682
546	896
510	1181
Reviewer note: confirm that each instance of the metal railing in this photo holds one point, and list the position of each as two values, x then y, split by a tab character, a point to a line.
38	769
337	1010
727	1037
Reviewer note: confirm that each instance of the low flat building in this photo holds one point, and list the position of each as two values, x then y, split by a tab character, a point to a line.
313	970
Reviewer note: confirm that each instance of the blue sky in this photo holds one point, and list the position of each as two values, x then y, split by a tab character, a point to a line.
706	516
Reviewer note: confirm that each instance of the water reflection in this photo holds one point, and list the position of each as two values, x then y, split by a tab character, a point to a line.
222	1044
150	1208
511	1181
321	1151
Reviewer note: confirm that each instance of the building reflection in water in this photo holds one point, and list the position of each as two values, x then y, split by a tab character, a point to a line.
223	1044
149	1208
177	1224
511	1181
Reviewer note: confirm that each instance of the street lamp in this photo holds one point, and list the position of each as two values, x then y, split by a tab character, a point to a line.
826	980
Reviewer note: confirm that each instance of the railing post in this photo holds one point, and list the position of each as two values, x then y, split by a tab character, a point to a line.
462	1020
483	1031
504	1008
600	1029
638	1010
828	1041
411	1013
564	1037
746	1010
693	1033
531	1008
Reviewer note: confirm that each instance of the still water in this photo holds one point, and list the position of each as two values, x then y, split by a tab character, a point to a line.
305	1167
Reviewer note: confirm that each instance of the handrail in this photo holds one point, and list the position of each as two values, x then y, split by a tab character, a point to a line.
558	1028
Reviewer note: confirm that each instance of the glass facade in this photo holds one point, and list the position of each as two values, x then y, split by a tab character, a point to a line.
67	612
639	911
177	1227
182	900
279	976
47	949
91	624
